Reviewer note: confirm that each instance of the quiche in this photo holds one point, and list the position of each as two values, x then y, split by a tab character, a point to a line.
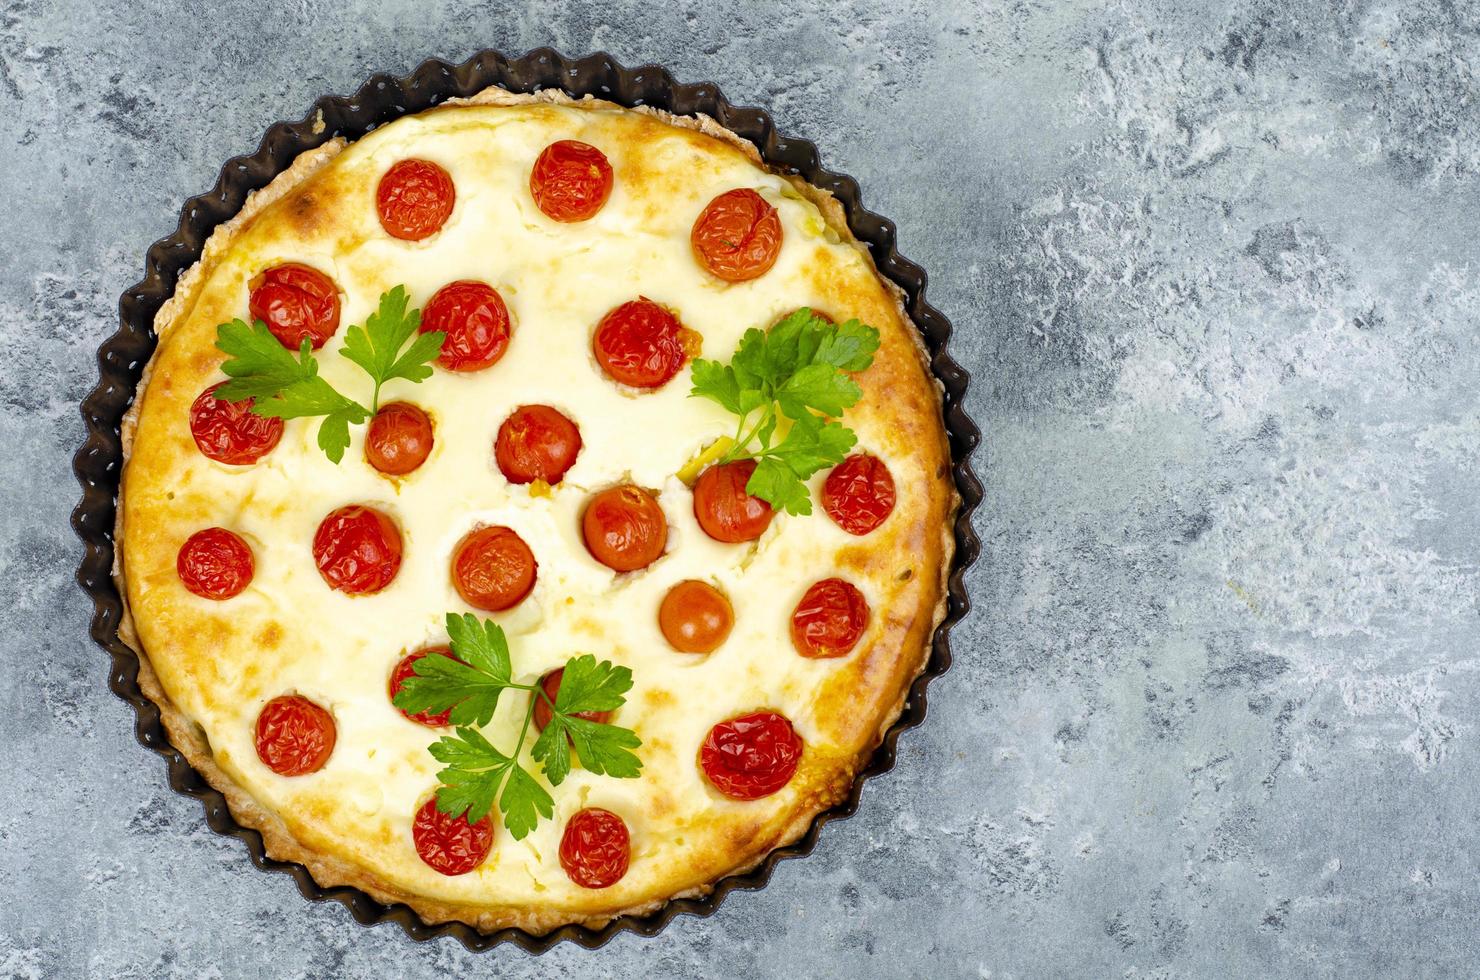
534	511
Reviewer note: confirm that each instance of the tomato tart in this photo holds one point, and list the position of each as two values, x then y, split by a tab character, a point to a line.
647	447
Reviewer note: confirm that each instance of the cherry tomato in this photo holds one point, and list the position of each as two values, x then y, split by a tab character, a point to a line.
551	685
414	199
294	736
815	312
751	756
536	442
358	550
215	564
859	493
829	620
723	508
737	236
493	568
642	344
695	617
405	670
228	432
570	181
450	845
473	316
399	439
295	301
595	848
624	528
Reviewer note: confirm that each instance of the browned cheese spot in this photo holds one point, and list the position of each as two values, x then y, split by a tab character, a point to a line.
657	697
305	213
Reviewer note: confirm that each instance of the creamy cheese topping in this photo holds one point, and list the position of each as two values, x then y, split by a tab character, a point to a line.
293	634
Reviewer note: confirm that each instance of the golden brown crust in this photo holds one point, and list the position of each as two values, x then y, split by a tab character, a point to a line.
885	668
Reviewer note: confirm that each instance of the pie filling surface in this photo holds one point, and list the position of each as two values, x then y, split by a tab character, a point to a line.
280	597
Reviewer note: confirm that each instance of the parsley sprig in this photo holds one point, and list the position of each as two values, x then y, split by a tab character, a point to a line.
287	387
477	776
796	375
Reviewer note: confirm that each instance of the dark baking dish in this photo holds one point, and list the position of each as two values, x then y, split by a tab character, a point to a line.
121	359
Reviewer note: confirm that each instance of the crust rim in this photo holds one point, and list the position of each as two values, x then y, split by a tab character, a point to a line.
330	871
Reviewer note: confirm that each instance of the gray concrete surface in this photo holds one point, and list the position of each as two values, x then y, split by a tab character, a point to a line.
1214	269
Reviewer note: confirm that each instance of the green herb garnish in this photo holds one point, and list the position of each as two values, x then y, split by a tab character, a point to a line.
477	776
796	376
287	387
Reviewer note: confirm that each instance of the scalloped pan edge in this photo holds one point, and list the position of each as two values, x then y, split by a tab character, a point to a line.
382	98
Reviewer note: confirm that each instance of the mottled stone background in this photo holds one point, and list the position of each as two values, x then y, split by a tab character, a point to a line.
1214	269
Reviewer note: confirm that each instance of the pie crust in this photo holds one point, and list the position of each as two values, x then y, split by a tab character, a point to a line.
210	666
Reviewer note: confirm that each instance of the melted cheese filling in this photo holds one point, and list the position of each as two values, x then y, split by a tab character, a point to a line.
557	280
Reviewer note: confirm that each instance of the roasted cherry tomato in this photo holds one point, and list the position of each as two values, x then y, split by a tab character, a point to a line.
450	845
551	685
570	181
536	442
399	439
595	848
406	669
295	301
228	432
695	617
829	620
737	236
642	344
815	312
493	568
294	736
414	199
358	550
473	316
723	508
751	756
624	528
215	564
859	493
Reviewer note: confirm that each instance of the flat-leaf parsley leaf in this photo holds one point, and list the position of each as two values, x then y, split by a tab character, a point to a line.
793	378
287	387
376	346
477	776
